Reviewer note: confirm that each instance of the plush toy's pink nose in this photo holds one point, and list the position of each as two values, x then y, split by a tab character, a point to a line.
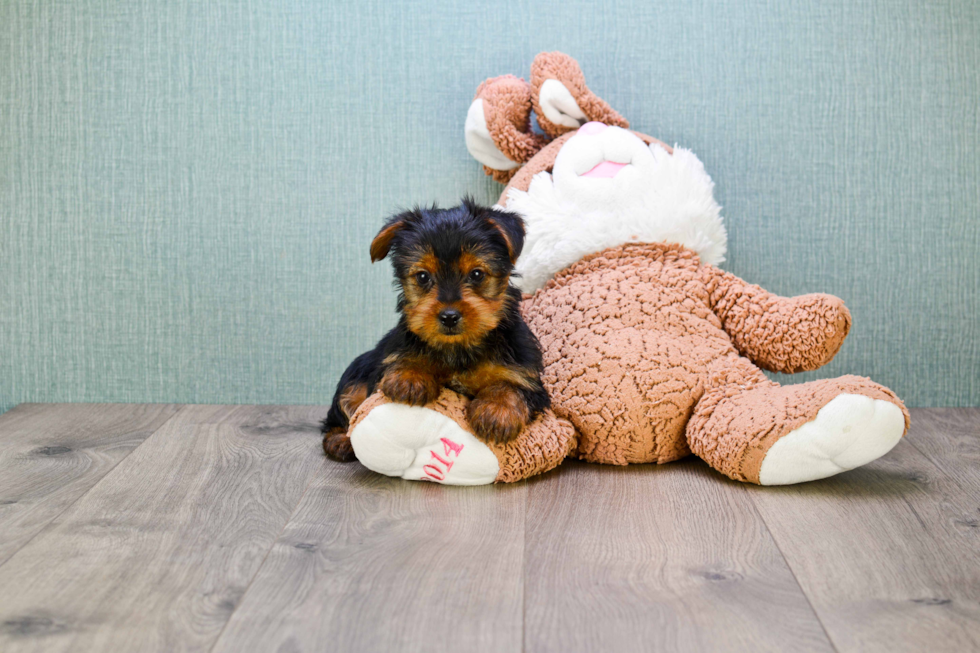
591	128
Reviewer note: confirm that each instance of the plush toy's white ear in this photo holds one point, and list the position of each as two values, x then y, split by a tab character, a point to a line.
480	143
558	105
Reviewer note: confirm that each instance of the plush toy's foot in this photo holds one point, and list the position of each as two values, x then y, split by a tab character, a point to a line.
850	431
778	435
418	444
435	443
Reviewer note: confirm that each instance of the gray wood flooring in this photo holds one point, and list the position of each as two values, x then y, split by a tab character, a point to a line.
223	528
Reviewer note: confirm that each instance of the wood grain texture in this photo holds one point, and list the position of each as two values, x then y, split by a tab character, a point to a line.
670	558
370	563
888	554
950	439
158	554
51	454
227	530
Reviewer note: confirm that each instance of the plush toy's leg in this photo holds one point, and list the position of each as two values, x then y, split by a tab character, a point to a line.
769	434
434	443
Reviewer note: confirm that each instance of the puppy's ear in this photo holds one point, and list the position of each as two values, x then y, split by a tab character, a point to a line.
381	244
510	225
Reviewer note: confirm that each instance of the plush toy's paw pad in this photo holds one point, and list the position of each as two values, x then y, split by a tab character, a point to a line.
849	431
419	444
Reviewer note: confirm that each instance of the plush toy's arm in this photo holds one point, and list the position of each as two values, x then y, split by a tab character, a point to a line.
780	334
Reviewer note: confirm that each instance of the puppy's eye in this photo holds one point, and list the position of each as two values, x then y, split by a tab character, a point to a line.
422	278
476	276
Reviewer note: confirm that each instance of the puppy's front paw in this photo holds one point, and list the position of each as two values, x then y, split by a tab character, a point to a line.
498	415
336	444
408	386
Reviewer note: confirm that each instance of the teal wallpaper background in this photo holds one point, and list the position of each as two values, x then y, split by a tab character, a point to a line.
188	189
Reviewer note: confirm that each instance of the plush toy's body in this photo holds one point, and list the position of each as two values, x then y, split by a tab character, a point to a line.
650	351
643	347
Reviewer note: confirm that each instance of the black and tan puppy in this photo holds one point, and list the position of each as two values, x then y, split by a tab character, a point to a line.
459	327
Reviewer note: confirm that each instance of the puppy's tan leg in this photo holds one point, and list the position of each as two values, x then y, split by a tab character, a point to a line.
336	444
353	397
407	384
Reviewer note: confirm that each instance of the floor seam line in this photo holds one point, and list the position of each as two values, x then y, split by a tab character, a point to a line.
806	597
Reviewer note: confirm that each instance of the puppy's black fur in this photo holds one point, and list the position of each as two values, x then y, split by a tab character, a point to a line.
459	325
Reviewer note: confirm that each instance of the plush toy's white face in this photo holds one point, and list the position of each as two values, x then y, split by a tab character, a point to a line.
601	165
607	188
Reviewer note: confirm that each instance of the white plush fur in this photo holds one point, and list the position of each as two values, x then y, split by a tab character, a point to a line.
658	197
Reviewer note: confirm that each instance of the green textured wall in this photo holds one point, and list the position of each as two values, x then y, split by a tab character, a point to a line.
188	189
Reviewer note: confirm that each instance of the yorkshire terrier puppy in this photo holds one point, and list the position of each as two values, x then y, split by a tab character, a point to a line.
460	326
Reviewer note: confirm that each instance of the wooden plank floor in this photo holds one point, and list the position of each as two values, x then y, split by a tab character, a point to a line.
223	528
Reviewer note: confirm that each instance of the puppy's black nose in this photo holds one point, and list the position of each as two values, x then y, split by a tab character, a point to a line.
449	317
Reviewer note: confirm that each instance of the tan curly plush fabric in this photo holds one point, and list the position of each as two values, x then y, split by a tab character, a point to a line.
540	447
779	334
642	347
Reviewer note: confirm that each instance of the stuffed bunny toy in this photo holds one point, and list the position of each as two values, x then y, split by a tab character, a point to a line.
651	352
